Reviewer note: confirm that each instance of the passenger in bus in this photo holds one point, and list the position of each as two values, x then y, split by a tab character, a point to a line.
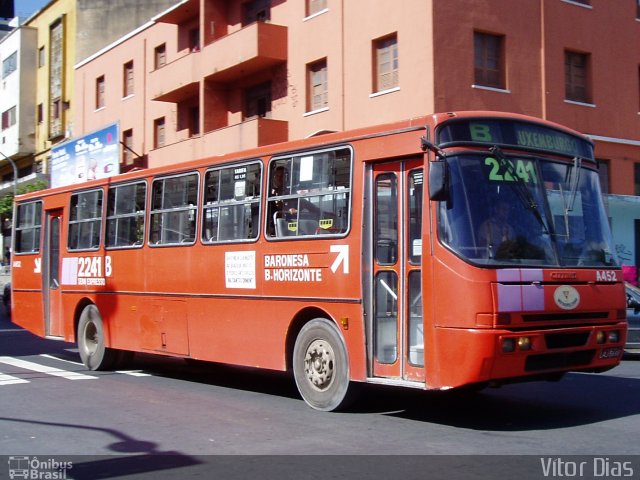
497	229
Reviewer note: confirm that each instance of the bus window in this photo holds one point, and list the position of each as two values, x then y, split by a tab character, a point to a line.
85	222
386	317
125	215
173	210
231	207
28	227
386	219
309	194
414	202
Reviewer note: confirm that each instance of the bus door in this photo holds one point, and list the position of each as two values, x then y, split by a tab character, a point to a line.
51	275
394	306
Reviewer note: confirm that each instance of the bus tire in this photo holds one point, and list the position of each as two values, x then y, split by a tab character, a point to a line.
321	366
91	344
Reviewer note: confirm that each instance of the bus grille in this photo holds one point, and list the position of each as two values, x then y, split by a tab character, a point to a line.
548	361
566	340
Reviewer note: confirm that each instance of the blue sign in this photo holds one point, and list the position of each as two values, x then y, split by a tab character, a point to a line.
96	155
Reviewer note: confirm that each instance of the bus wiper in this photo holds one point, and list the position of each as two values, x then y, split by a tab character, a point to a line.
577	170
520	187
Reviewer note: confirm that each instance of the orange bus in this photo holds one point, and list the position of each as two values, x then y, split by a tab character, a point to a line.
375	255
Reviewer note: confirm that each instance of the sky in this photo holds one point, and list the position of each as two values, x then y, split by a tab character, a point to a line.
25	8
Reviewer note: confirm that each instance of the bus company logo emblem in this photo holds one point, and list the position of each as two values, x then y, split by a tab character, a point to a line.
566	297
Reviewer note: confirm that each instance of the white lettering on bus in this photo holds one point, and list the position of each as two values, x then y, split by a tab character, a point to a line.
292	260
293	275
606	276
86	270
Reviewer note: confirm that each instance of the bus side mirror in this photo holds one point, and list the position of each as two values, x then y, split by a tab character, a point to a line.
438	181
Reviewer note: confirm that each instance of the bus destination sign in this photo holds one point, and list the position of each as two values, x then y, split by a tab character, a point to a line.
514	133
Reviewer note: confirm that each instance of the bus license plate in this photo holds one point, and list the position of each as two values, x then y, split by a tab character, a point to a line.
611	352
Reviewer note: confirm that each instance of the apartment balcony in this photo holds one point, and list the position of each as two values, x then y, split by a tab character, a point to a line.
177	80
256	47
235	138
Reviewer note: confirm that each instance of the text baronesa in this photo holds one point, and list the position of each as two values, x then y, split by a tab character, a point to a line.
290	268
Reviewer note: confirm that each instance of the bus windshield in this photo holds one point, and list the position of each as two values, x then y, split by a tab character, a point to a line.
524	210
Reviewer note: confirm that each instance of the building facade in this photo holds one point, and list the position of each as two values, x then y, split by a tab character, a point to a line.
211	76
206	77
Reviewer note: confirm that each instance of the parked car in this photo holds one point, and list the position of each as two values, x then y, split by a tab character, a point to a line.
633	317
6	298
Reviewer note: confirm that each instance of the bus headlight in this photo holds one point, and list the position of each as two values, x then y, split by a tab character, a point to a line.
614	336
524	343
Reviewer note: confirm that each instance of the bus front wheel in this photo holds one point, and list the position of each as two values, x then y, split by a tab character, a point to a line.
91	344
320	366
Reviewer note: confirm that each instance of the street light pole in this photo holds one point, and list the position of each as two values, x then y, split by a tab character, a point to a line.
15	192
15	174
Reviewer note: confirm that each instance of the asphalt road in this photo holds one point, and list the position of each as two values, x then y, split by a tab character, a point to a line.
165	417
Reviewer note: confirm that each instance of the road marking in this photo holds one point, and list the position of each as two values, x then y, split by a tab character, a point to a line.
134	373
56	372
9	380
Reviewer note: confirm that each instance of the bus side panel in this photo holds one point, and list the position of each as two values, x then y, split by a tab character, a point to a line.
27	301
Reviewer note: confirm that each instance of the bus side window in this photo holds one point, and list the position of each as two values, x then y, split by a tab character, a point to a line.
309	194
173	210
231	206
85	222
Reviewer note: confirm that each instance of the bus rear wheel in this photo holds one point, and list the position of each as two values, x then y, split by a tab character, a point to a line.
91	343
321	367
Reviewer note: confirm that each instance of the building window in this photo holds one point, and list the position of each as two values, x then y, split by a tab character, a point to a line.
603	174
315	6
577	77
127	74
42	59
158	132
100	92
636	172
385	52
194	40
8	118
489	60
127	147
56	110
40	113
317	85
258	101
160	56
256	11
9	64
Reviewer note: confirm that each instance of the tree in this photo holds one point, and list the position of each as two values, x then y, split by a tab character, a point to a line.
6	202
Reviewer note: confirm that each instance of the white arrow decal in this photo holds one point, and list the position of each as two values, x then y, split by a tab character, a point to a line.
343	257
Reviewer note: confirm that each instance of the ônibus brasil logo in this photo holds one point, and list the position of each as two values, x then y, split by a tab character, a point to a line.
35	468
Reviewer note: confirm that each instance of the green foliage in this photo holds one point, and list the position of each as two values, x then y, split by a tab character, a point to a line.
6	202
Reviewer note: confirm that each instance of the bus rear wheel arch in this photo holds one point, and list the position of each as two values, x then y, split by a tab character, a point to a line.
321	366
94	353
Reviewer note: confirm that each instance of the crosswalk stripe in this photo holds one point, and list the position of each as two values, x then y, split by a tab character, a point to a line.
56	372
133	373
9	380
